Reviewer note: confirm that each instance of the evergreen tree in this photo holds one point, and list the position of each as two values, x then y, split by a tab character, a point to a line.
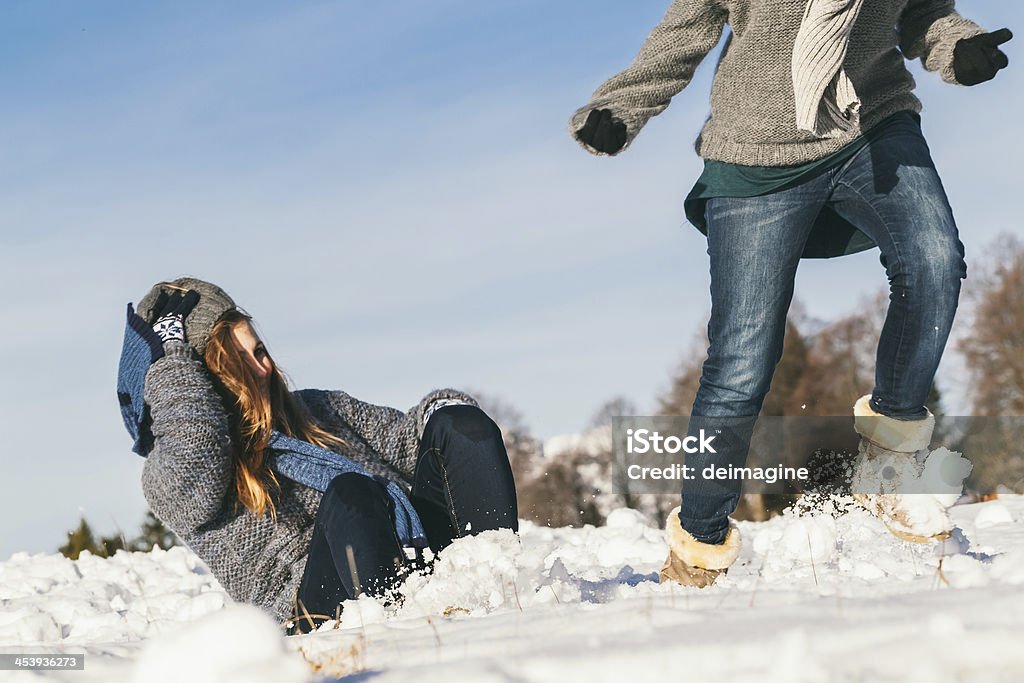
153	534
80	539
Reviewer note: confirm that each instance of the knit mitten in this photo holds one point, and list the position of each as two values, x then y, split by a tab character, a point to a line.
978	59
895	475
603	131
693	563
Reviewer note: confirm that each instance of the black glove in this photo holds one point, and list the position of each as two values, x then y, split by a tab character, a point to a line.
603	131
171	312
977	59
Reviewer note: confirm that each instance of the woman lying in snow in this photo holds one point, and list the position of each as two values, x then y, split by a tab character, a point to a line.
813	149
296	500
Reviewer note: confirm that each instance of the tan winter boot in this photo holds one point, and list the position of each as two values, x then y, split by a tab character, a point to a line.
888	479
693	563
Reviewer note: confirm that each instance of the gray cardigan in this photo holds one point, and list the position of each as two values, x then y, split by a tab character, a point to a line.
188	476
753	111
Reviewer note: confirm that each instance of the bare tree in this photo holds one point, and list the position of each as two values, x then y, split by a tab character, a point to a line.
993	351
789	373
524	449
993	348
840	366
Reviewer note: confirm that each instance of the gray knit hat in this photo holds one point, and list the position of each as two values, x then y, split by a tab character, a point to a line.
213	303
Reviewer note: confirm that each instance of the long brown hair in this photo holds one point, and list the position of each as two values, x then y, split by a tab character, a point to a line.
254	414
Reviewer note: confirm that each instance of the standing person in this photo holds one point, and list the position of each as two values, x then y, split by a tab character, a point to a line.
296	500
813	149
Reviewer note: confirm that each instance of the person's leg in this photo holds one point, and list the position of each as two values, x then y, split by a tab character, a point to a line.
892	192
354	549
463	481
755	246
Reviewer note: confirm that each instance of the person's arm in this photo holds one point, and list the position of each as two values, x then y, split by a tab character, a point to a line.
394	434
189	472
664	66
930	30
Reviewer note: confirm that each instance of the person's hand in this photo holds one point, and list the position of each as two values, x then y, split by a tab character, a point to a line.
978	59
171	311
603	131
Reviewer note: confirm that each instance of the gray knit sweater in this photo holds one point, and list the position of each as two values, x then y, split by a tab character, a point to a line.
753	116
188	476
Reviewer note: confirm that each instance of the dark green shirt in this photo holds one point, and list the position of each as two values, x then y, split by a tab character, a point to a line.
832	235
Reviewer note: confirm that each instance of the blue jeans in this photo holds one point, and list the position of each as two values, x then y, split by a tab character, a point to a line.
891	191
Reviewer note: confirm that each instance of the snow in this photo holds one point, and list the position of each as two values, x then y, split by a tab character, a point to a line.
937	482
598	440
255	651
817	595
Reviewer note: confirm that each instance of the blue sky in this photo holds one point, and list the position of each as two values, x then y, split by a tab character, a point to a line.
389	188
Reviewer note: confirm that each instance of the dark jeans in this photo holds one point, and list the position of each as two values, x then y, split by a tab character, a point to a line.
462	486
891	191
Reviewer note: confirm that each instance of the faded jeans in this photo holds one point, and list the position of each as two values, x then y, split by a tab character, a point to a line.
891	191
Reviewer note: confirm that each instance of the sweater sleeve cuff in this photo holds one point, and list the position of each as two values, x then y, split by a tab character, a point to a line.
169	370
633	124
178	349
953	28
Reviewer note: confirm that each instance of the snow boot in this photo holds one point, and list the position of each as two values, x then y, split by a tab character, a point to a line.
693	563
888	480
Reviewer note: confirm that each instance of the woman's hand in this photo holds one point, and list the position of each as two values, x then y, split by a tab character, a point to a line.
979	59
603	131
144	345
171	311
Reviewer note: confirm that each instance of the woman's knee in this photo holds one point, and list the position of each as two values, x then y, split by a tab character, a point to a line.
466	420
737	375
935	266
354	489
948	272
462	438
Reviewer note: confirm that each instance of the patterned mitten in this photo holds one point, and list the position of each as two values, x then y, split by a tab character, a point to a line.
171	312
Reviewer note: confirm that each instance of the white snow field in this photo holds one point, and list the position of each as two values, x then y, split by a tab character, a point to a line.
813	598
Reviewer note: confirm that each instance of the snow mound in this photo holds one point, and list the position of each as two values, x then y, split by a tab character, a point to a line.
131	596
240	644
993	514
498	570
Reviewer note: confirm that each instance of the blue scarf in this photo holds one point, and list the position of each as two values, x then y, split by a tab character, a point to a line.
315	467
140	349
297	460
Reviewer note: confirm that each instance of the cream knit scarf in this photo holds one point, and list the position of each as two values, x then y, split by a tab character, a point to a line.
826	103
